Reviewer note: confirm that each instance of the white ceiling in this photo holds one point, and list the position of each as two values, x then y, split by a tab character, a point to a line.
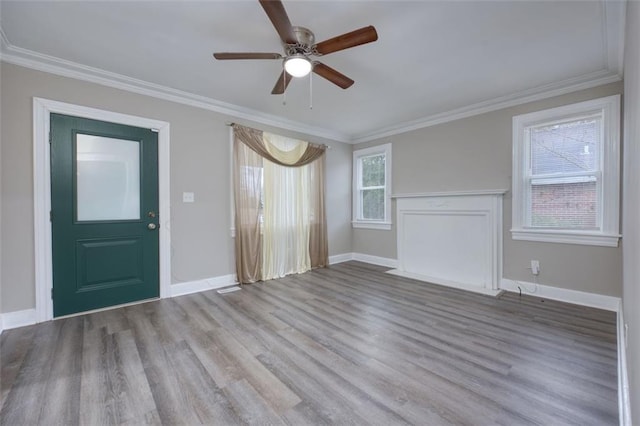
433	59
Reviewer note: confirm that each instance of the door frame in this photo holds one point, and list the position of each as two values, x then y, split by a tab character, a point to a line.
42	109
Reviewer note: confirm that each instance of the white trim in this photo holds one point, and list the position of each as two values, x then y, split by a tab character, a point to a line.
358	154
586	81
17	319
340	258
50	64
451	193
371	225
551	236
576	297
34	60
624	403
609	194
197	286
375	260
42	108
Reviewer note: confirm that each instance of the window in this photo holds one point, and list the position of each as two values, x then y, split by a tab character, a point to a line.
566	174
372	187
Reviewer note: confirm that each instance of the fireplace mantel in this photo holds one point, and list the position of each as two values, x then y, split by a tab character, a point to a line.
451	238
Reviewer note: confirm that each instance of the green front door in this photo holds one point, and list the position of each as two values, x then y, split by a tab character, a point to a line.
104	213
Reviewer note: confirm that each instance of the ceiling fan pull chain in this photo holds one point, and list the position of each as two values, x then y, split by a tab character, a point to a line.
311	90
284	85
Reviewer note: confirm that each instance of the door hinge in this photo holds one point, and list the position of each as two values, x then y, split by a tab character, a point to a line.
51	293
50	137
50	216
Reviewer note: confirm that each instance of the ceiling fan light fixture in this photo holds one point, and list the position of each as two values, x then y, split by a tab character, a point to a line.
297	66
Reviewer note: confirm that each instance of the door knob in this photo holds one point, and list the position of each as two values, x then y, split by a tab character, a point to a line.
151	226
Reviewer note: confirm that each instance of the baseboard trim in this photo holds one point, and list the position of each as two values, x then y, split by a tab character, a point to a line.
592	300
26	317
17	319
189	287
624	404
375	260
340	258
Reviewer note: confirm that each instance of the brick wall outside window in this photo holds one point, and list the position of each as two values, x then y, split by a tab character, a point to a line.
564	205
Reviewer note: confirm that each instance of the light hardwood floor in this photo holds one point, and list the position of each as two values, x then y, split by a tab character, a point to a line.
343	345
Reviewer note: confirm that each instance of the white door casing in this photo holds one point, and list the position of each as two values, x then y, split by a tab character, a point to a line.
42	109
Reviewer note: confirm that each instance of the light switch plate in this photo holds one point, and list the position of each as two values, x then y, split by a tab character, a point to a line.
188	197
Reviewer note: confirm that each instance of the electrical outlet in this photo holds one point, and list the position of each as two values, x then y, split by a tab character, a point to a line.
535	267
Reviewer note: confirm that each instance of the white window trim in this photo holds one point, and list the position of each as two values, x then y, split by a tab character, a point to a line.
357	222
608	235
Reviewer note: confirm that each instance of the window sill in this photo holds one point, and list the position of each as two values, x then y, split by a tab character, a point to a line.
371	225
566	237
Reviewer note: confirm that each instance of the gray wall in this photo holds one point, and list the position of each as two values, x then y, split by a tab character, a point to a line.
200	236
475	153
631	203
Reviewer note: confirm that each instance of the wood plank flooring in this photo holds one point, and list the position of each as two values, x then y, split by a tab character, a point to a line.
343	345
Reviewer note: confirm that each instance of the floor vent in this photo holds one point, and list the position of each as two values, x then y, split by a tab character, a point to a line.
229	289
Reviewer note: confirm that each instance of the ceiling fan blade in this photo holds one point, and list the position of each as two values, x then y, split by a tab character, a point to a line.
282	83
354	38
278	16
246	55
332	75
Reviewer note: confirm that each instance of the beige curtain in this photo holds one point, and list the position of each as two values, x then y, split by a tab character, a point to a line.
247	183
251	147
318	244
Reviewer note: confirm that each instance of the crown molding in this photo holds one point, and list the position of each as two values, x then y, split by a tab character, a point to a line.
586	81
41	62
53	65
4	41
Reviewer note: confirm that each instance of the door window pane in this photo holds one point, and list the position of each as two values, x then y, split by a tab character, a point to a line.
108	178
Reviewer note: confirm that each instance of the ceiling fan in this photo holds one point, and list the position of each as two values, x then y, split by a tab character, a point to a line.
300	47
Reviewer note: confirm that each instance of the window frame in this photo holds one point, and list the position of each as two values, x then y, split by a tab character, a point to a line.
608	180
357	217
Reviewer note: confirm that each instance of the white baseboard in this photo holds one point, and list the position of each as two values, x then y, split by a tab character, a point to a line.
593	300
376	260
26	317
339	258
17	319
624	404
366	258
190	287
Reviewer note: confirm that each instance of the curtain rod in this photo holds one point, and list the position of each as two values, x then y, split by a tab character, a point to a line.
231	124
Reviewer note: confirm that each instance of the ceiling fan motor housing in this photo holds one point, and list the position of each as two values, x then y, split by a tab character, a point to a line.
305	40
299	45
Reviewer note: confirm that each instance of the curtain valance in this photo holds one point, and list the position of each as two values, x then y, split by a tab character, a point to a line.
254	139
